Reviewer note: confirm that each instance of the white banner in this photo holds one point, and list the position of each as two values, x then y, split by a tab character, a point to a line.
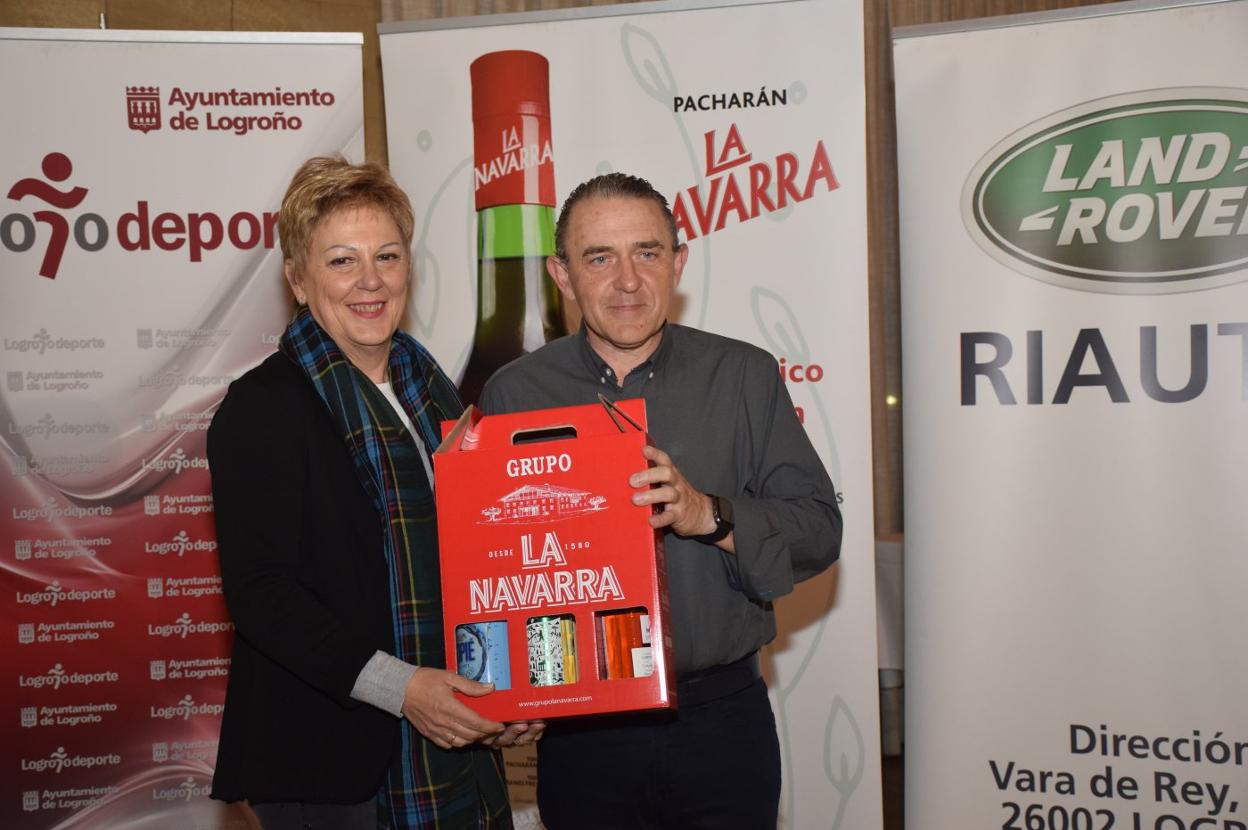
750	118
143	174
1074	249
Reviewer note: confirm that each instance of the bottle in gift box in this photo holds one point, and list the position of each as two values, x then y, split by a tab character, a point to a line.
625	644
518	306
552	650
481	653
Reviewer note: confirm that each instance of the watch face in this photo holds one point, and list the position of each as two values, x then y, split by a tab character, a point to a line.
723	512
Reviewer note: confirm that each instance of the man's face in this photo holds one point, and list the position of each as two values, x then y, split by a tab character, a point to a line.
622	272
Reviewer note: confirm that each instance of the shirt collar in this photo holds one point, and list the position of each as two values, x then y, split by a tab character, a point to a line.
603	370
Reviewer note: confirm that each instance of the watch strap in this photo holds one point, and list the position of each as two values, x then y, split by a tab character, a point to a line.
723	524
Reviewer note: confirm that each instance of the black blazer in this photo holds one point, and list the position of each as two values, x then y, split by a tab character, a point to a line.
304	574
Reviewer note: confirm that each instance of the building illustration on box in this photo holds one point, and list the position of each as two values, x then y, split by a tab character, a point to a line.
542	503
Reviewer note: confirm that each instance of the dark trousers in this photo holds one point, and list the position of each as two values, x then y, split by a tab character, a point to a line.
290	815
714	764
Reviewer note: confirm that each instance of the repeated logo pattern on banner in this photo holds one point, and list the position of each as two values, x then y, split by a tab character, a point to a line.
750	119
140	276
1075	260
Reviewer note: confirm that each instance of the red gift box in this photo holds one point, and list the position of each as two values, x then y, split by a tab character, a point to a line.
553	583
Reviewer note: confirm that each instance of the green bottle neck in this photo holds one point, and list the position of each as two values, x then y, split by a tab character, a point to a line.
511	231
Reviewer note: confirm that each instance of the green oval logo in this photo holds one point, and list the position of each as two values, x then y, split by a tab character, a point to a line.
1145	193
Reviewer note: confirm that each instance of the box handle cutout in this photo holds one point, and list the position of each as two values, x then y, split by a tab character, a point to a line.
543	434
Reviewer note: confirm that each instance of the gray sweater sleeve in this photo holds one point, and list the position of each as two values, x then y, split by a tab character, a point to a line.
383	683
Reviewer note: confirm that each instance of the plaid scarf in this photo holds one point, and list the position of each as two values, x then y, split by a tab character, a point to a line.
428	787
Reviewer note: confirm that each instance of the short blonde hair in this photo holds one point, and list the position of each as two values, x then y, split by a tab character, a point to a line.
325	184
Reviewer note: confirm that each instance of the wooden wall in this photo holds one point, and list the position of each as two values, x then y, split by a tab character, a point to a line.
364	15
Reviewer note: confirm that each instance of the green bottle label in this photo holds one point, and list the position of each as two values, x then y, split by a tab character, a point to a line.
512	231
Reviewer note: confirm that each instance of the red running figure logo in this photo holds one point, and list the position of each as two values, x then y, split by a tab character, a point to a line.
56	167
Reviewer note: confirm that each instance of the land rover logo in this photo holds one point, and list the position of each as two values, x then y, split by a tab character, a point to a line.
1133	194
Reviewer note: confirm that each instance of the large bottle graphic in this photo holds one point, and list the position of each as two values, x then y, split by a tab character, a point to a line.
518	306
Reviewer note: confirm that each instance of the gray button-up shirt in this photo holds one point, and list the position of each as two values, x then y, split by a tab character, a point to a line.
719	408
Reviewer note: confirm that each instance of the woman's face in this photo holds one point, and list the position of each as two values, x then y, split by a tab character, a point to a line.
354	280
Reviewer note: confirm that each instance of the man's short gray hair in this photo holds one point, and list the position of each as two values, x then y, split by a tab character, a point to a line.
610	185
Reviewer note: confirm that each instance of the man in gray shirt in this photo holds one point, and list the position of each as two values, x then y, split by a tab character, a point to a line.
748	511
